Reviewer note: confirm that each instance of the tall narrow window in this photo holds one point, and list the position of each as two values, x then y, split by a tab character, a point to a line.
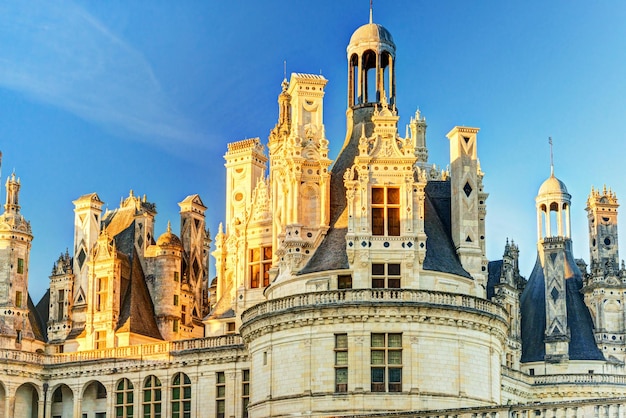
18	299
152	397
220	395
183	314
386	276
101	340
101	293
386	211
124	399
341	363
260	262
386	361
60	305
20	265
181	396
245	392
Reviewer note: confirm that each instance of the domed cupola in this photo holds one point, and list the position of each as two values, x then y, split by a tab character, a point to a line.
371	58
168	239
553	206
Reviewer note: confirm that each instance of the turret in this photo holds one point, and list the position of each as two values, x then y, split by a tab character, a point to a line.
15	245
605	288
417	127
507	291
603	244
61	291
553	203
164	282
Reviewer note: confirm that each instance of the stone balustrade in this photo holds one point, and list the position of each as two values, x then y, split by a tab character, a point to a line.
131	352
583	378
373	296
597	408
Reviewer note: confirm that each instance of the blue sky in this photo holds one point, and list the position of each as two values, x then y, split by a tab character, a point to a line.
111	96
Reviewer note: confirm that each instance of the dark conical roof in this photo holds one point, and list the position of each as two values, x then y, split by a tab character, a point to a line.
582	345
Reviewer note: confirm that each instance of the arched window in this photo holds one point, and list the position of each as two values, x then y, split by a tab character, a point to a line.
386	64
181	396
368	75
124	399
353	82
151	397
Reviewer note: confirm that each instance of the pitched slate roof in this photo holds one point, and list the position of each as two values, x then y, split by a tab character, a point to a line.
36	322
440	250
136	307
582	345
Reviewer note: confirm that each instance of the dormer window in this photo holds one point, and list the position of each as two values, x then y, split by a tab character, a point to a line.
386	211
260	262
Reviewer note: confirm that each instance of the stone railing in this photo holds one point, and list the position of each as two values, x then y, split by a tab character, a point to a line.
7	355
140	351
374	296
583	378
598	408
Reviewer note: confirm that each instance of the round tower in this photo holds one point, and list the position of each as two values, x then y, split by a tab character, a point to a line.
368	327
165	288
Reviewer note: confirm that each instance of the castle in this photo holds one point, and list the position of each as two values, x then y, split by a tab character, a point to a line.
353	287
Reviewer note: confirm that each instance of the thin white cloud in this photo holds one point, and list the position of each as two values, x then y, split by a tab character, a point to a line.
57	53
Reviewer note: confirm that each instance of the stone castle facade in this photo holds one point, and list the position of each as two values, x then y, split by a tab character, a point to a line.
350	287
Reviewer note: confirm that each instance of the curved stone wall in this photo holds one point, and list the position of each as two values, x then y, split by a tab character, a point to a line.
451	347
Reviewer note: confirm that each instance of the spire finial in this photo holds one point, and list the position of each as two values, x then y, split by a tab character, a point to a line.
551	157
285	83
169	227
371	13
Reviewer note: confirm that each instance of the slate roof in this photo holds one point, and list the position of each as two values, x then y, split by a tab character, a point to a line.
37	324
136	307
125	240
440	250
582	345
331	254
494	270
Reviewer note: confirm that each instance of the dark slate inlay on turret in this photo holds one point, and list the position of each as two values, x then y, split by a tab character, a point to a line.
467	189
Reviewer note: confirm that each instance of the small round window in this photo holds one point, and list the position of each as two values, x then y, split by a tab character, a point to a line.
238	197
607	241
